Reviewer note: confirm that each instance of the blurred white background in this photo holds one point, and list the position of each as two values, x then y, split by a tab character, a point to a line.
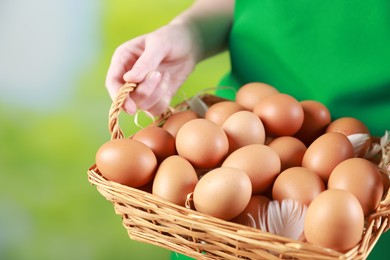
44	44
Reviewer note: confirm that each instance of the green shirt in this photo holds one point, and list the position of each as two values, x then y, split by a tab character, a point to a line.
334	51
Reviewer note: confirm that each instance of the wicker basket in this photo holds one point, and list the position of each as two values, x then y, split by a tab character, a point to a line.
156	221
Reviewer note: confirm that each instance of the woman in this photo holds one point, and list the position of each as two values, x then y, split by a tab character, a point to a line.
335	52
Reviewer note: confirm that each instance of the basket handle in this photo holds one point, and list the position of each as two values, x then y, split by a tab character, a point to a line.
116	107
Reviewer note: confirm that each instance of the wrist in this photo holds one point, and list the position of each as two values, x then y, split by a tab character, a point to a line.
208	27
191	32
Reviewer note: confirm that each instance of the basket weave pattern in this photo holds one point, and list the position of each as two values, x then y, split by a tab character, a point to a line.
153	220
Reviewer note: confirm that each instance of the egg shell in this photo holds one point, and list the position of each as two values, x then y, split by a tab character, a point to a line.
175	179
280	113
386	183
126	161
202	142
252	93
360	177
334	220
251	215
177	120
220	111
316	117
158	139
290	151
243	128
326	152
223	193
297	183
349	126
260	162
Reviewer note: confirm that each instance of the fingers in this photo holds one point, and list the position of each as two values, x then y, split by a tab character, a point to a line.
149	60
137	61
152	95
113	81
114	78
143	92
161	106
146	88
129	106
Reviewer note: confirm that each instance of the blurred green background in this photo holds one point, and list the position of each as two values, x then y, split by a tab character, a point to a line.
53	117
54	55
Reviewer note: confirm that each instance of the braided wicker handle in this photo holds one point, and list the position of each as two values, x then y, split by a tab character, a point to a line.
116	107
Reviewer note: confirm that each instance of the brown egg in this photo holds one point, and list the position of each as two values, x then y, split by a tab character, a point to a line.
334	220
158	139
175	179
252	214
297	183
349	126
260	162
252	93
126	161
290	151
176	120
281	114
223	193
220	111
202	142
243	128
386	183
360	177
315	120
326	152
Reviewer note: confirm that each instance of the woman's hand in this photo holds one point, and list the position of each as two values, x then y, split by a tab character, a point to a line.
159	62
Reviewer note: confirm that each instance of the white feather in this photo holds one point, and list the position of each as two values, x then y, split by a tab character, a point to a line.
377	148
358	141
284	219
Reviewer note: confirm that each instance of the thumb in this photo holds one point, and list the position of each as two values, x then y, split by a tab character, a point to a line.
149	61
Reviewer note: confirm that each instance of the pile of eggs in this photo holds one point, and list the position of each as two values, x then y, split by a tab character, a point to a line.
242	154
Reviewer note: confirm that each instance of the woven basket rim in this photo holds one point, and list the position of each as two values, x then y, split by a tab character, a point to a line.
192	228
114	192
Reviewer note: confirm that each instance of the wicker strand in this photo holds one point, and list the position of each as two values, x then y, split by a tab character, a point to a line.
116	107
